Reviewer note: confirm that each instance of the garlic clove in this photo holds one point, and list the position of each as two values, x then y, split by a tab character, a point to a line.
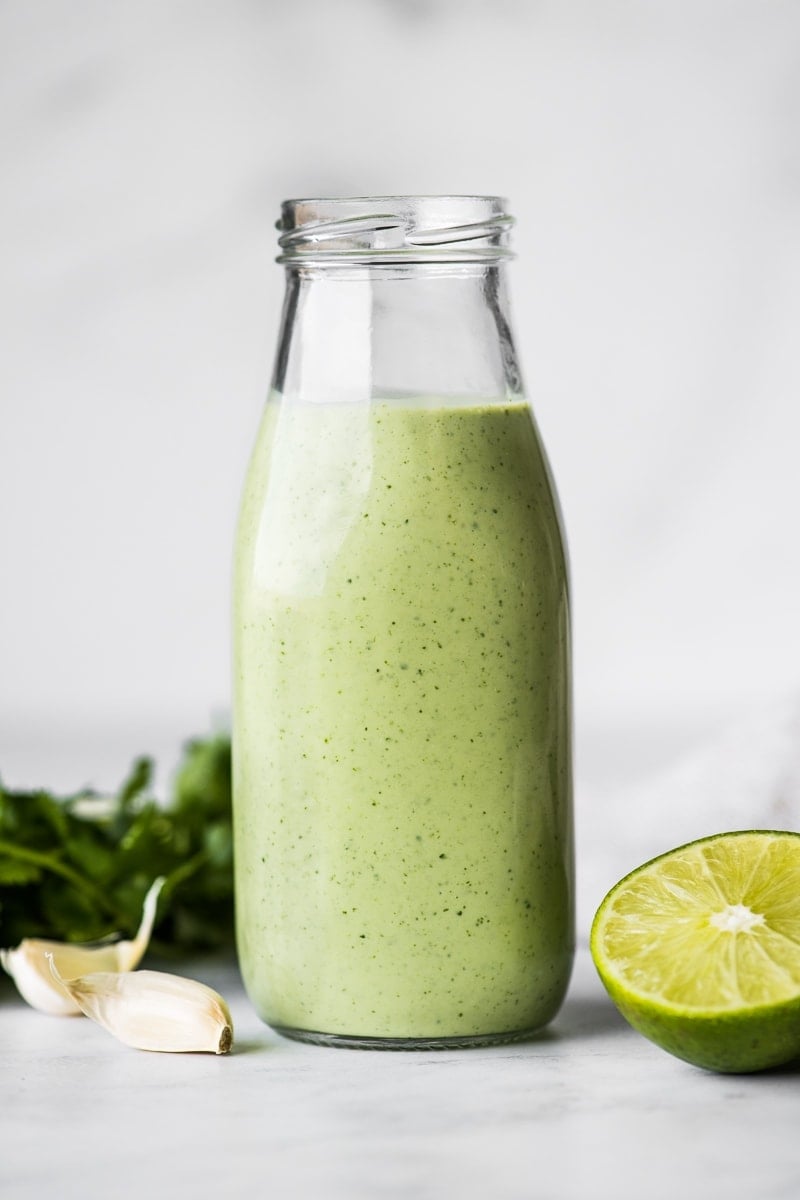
151	1010
28	964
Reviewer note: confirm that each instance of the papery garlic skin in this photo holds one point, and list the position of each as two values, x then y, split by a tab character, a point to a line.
29	967
151	1010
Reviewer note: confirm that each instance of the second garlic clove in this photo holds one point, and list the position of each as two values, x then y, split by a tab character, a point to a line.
28	964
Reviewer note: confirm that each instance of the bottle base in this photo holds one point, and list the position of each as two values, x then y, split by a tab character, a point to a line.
352	1042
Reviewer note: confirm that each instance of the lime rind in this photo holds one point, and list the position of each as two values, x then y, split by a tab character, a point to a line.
730	1042
700	949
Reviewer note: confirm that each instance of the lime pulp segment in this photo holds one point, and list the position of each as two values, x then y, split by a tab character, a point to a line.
712	926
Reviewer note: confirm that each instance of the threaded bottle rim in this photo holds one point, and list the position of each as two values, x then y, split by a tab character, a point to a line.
394	229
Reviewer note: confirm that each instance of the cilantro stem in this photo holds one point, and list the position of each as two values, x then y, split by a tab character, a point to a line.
48	863
184	871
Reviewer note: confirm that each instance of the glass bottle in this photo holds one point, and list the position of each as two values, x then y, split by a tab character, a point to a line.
401	735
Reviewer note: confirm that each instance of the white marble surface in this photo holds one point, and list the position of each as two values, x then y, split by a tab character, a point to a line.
589	1110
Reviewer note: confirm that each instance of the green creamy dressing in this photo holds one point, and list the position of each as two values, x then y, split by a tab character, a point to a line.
401	728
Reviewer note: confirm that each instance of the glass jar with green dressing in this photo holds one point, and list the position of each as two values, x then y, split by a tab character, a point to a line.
401	737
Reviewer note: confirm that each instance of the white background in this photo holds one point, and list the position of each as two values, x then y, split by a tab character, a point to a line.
651	154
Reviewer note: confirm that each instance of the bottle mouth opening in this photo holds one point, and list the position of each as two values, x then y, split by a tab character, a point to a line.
394	229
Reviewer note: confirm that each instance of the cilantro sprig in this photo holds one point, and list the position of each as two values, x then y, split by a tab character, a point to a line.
77	868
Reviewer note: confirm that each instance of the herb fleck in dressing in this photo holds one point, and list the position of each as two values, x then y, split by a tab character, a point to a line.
401	734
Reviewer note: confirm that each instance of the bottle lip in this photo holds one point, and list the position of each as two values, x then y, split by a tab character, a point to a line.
394	229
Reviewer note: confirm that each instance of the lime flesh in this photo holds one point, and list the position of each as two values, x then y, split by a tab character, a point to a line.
700	950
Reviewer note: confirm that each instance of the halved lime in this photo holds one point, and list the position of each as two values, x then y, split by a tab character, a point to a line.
700	950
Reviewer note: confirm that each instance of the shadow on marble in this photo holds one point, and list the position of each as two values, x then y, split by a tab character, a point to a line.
9	996
790	1070
588	1017
251	1045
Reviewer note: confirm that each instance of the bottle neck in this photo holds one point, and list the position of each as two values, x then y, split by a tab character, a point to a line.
356	332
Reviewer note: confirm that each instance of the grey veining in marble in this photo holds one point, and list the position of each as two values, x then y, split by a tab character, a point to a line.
587	1110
